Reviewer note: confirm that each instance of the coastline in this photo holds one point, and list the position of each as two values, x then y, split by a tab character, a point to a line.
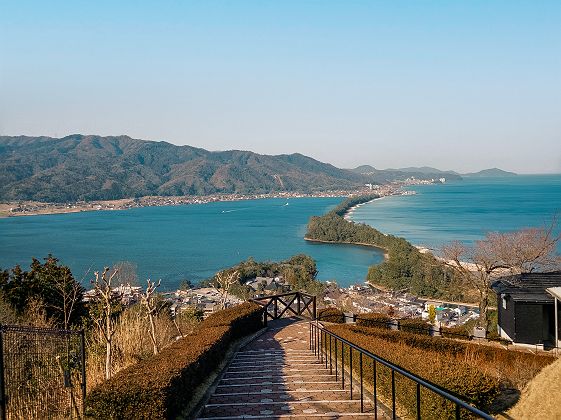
382	250
382	194
35	208
16	208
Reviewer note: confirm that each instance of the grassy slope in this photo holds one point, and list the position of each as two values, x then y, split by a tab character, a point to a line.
541	398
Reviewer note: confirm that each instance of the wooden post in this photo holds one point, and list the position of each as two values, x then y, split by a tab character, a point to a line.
298	297
314	308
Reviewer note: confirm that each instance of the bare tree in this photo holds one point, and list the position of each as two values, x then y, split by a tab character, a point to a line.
107	300
69	296
149	302
224	281
498	254
527	250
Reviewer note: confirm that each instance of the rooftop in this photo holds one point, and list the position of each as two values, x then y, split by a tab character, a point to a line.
528	286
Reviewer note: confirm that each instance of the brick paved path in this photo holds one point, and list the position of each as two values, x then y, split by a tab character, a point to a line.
277	376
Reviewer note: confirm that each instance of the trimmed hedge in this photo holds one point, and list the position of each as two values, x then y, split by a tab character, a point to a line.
331	315
446	371
161	387
414	326
456	332
376	320
511	368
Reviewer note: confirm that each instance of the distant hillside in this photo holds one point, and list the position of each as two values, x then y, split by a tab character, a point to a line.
81	167
381	176
424	170
493	172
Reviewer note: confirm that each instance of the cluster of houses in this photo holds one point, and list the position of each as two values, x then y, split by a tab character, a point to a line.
363	299
205	299
528	304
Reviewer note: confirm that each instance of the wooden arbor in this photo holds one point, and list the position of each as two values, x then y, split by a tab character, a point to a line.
292	303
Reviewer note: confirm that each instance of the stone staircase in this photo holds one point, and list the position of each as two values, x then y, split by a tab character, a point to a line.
277	376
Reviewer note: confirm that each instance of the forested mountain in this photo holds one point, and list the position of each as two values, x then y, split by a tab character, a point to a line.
493	172
79	167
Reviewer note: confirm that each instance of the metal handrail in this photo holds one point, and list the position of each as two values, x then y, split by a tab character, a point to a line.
317	333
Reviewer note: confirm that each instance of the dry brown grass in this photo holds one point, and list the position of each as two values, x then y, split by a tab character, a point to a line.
541	398
132	342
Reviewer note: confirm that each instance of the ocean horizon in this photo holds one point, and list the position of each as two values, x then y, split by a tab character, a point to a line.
466	210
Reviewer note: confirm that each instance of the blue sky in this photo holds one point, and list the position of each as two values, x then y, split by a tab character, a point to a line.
456	85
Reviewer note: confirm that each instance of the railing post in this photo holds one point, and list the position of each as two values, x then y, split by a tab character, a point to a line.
330	362
418	401
343	365
314	308
276	308
3	414
361	391
336	369
394	415
310	338
83	344
374	375
351	369
298	298
321	345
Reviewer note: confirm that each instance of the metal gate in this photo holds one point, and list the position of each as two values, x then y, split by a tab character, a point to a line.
42	373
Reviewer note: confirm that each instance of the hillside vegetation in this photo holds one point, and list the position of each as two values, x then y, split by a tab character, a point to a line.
404	268
489	377
81	167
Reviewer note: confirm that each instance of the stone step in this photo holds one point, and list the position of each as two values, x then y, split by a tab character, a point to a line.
284	407
276	387
266	379
282	371
279	396
274	358
278	376
264	365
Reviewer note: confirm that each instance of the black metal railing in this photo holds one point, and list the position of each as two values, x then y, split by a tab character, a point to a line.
331	348
42	373
295	303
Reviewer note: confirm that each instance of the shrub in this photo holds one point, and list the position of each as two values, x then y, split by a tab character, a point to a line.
513	368
415	326
331	315
447	372
456	332
161	386
375	320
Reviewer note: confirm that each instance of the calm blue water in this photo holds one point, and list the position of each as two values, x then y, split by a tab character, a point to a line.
193	242
184	242
466	210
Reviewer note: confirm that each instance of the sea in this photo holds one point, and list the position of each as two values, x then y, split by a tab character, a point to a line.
189	242
192	242
466	210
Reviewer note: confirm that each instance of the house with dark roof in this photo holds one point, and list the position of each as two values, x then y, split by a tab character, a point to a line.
528	309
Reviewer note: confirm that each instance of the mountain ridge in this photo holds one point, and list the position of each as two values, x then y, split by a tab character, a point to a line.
89	167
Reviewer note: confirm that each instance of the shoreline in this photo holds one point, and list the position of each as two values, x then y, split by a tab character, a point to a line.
382	194
35	208
382	250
